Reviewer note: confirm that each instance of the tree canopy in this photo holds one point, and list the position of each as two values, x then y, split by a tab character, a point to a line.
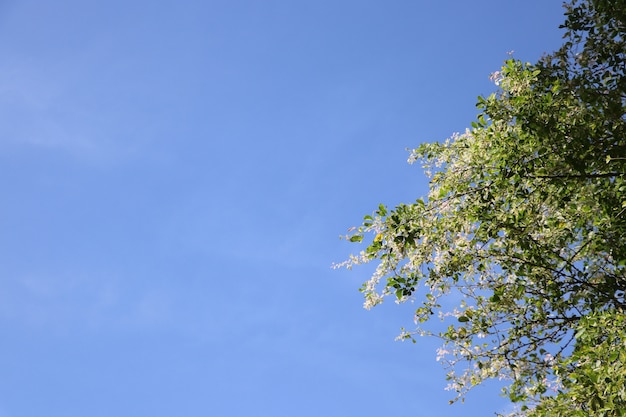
525	220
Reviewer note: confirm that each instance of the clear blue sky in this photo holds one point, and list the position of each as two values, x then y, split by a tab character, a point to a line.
174	178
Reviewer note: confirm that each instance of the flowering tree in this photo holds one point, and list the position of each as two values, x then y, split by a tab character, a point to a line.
526	221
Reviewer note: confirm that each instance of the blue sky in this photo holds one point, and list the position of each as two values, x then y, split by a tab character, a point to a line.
174	179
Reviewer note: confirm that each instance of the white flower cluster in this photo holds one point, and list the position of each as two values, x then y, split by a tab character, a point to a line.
496	77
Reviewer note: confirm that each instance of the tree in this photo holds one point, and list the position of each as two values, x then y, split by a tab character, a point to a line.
525	219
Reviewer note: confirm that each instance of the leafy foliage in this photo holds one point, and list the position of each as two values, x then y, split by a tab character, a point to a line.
525	220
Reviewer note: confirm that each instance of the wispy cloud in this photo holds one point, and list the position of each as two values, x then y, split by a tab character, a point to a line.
36	113
61	301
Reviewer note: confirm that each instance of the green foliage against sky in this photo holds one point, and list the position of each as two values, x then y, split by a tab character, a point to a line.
525	224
